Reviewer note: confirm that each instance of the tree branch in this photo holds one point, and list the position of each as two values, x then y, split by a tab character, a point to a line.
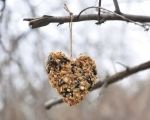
112	79
50	103
45	20
145	26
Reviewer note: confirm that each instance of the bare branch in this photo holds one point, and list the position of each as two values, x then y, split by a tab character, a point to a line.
112	79
39	22
45	20
120	75
2	9
146	27
50	103
117	9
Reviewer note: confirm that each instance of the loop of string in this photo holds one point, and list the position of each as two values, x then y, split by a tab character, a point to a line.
70	29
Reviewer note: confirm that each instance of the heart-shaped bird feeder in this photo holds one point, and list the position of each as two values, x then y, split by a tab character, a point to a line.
71	78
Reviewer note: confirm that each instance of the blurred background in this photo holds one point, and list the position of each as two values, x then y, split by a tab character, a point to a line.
24	84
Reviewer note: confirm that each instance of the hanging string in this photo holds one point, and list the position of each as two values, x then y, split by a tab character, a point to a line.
70	29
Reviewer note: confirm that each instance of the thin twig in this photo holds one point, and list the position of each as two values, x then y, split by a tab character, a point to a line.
123	65
117	9
119	15
112	79
50	104
99	12
3	46
2	9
